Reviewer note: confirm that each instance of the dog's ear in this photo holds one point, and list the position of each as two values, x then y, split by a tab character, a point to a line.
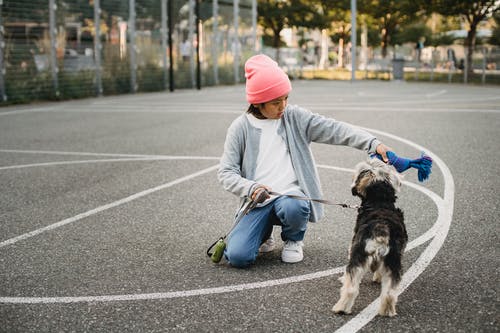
354	191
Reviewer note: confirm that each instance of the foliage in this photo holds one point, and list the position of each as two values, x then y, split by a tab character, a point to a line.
495	38
275	15
390	16
412	34
473	12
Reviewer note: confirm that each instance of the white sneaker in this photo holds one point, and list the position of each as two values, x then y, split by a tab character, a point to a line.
268	245
292	252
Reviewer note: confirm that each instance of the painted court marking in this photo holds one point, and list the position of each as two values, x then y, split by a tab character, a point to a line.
437	233
104	207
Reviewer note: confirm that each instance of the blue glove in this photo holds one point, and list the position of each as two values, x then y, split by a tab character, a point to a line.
422	164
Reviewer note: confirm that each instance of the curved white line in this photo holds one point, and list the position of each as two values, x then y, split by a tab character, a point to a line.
216	290
174	294
355	324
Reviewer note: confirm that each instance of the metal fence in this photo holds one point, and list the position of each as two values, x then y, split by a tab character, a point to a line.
60	49
432	63
438	63
54	49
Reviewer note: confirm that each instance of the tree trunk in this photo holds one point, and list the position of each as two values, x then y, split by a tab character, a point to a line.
340	57
276	44
385	42
470	43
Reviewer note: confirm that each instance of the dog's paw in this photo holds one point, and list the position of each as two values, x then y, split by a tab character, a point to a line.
387	312
340	309
387	307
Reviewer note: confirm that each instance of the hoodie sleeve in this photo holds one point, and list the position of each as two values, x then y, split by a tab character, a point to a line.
230	169
330	131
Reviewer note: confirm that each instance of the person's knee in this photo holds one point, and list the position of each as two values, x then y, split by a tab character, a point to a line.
239	257
297	211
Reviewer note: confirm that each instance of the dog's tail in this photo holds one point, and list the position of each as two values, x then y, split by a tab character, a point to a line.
378	246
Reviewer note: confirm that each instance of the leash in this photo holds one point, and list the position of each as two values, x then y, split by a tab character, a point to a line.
219	245
216	250
323	201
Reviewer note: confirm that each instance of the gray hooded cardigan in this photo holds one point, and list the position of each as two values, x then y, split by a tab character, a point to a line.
299	127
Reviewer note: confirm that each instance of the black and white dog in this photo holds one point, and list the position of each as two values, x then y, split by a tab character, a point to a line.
379	236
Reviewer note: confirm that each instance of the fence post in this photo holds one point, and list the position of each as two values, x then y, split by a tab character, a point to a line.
215	41
97	46
191	28
483	77
164	41
133	62
466	65
3	94
432	63
170	22
254	25
198	65
53	45
353	40
236	41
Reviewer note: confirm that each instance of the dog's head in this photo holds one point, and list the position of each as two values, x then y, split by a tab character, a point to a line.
374	171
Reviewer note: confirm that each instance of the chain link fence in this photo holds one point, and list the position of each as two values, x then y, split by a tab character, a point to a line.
436	63
54	49
59	49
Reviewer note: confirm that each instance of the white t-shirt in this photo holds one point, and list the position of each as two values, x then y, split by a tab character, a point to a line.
274	166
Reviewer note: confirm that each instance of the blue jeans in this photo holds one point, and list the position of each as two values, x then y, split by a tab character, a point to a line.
244	241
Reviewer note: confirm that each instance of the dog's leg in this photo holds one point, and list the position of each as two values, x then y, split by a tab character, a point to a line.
388	295
377	272
349	290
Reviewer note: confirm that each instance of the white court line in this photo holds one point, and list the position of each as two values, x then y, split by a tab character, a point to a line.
72	153
403	109
224	289
442	224
105	207
122	158
174	294
444	218
437	93
7	113
164	158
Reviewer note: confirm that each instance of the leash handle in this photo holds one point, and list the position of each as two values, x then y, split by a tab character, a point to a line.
219	245
218	250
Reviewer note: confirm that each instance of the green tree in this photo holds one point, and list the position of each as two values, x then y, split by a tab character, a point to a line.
473	12
276	15
390	16
495	38
337	18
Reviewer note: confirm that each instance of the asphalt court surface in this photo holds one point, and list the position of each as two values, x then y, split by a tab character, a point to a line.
108	205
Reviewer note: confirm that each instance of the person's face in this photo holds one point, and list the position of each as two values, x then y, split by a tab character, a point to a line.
274	109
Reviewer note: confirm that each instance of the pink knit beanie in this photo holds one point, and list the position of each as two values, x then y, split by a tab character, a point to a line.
265	80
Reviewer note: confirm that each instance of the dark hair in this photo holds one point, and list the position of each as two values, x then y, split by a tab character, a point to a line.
252	109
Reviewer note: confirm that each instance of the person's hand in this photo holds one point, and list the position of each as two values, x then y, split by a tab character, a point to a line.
260	194
382	151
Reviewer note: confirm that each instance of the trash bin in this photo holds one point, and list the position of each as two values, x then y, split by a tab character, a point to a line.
398	72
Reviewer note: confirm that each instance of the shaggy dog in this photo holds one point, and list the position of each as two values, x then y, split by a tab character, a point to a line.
379	236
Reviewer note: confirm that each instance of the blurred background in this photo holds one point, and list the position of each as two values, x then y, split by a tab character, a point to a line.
64	49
